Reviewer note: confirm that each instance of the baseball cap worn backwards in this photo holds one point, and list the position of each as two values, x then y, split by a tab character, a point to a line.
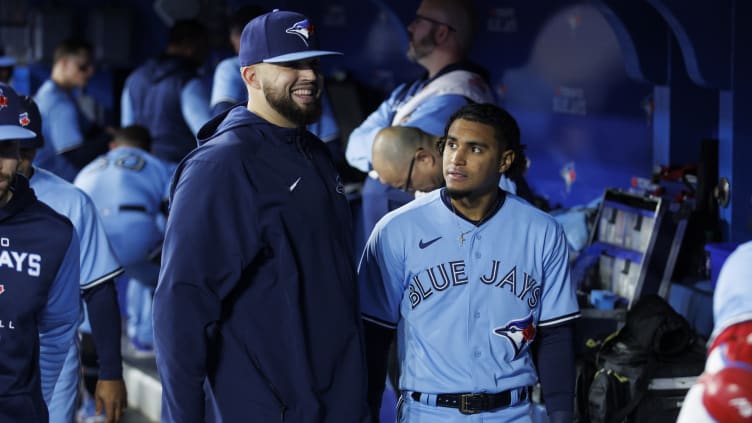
11	116
278	37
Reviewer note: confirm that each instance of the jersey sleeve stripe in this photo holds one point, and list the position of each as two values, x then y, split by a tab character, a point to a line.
377	321
117	272
559	320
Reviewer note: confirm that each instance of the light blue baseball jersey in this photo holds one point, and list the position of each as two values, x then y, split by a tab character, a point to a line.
98	262
732	301
63	127
466	312
128	186
97	265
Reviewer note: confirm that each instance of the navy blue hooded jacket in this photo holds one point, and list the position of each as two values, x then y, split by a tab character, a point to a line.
39	303
154	90
257	291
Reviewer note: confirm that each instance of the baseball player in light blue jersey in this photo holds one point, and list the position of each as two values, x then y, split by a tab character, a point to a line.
129	187
98	271
724	391
475	282
72	140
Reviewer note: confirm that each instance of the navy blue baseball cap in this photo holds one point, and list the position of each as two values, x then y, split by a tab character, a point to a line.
279	36
11	116
31	119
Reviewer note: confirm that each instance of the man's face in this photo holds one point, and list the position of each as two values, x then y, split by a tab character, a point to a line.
294	90
472	159
78	68
8	169
422	31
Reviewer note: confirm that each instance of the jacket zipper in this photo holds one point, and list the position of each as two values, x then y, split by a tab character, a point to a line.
282	407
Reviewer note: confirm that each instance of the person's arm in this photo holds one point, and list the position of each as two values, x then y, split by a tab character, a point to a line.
104	317
195	280
432	114
377	341
228	87
554	357
126	108
358	151
554	350
381	283
59	319
194	104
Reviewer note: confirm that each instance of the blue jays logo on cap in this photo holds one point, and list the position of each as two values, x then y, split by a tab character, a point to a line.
302	29
2	288
519	332
23	119
3	99
11	116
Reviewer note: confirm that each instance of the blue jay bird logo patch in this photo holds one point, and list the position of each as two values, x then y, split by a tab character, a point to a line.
519	332
302	29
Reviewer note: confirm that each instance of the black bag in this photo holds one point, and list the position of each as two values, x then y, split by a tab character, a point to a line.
654	336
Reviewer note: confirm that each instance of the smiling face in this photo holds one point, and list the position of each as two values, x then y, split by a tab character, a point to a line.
473	159
293	90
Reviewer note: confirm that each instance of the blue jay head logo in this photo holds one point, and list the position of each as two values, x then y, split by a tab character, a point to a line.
520	332
302	29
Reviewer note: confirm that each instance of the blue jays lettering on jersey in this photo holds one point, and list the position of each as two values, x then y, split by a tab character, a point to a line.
270	278
39	303
488	295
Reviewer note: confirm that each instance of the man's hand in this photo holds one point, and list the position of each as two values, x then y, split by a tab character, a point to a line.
111	398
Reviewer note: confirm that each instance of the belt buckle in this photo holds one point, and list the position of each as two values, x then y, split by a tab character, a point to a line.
465	405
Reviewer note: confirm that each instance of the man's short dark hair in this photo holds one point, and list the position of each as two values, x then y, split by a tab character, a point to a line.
72	46
134	136
506	130
187	32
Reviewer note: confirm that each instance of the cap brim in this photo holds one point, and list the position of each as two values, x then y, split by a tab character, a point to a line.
15	132
294	57
7	61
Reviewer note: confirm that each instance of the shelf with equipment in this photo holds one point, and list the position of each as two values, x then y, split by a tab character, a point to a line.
637	240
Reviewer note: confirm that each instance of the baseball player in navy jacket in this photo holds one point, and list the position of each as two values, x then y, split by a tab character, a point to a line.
39	272
257	299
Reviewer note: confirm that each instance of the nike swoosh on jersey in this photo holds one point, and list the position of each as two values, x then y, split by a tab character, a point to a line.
294	184
423	245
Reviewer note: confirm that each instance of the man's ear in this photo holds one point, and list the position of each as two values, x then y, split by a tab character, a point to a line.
251	76
507	158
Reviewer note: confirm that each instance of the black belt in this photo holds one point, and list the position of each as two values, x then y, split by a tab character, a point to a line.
475	403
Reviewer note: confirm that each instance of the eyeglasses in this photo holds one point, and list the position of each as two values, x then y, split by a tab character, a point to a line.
406	188
433	21
83	67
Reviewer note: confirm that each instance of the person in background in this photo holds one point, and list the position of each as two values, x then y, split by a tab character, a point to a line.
128	187
166	95
98	270
72	140
440	39
723	393
39	285
478	319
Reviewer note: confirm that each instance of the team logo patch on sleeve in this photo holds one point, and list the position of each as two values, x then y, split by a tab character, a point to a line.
519	332
302	29
23	119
